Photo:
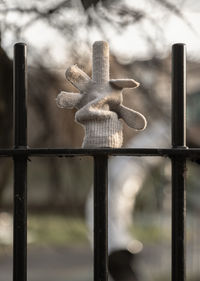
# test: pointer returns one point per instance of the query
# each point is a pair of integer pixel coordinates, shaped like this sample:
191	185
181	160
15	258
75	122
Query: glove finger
77	77
68	100
132	118
124	83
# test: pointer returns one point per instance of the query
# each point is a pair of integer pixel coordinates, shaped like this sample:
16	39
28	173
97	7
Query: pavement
75	263
52	264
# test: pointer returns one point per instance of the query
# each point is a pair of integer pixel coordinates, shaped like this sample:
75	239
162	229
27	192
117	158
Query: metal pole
20	165
178	163
178	95
100	218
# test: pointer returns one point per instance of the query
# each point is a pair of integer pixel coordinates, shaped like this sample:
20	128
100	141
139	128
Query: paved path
76	264
52	264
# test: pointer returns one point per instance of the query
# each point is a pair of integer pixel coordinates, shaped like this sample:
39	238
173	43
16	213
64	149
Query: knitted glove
99	102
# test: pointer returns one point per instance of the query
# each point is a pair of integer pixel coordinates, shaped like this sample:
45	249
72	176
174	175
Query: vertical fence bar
179	95
20	164
100	218
178	163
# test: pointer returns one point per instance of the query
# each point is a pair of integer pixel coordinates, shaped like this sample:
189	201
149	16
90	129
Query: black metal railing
178	154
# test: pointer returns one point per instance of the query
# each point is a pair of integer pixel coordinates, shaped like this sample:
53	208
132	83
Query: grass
61	230
151	228
56	230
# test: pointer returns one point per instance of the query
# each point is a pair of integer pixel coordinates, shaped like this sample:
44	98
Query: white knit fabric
103	133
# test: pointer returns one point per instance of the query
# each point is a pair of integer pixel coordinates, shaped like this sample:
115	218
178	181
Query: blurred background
59	34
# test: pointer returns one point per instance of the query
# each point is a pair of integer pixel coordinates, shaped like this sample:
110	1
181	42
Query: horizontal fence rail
178	154
190	153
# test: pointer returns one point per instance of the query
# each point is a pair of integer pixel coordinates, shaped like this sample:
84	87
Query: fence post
100	218
20	164
178	162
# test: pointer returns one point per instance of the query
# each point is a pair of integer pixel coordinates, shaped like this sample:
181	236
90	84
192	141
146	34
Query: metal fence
178	154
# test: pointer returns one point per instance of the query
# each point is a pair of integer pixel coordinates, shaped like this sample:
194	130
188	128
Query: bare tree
68	17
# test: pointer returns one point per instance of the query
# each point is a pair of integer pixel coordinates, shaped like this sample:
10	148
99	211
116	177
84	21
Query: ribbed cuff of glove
103	133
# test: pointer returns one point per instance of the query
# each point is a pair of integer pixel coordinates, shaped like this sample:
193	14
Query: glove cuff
103	133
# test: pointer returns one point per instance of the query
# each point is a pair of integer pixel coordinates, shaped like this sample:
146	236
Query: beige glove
99	102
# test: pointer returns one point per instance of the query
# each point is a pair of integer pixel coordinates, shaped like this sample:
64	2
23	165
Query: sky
129	44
